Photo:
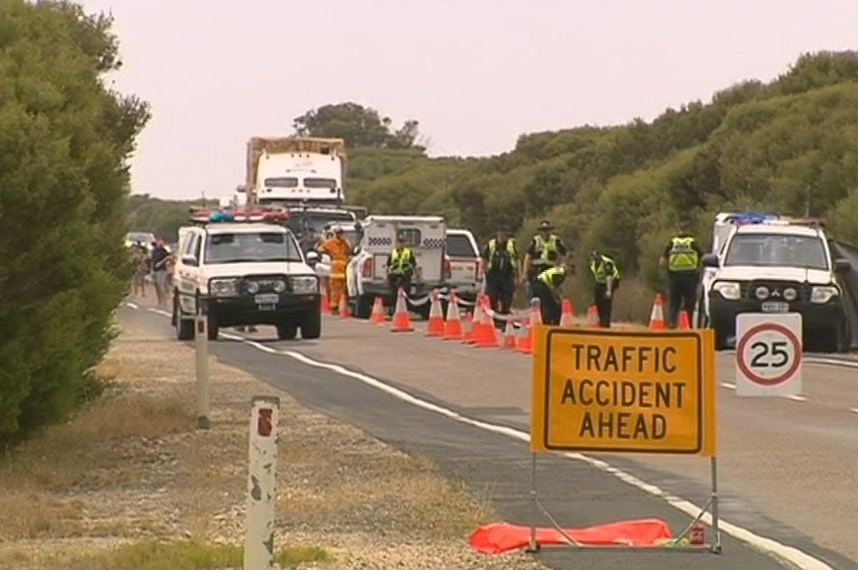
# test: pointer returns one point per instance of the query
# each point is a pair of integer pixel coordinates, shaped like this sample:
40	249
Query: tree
64	144
359	126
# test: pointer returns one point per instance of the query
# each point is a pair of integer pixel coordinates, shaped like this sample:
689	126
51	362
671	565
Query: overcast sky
475	73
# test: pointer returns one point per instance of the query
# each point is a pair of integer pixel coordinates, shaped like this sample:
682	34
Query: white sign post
768	354
261	484
201	345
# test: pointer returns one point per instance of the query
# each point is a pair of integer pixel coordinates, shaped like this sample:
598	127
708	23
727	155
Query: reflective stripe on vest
682	256
598	270
546	250
549	274
400	262
493	249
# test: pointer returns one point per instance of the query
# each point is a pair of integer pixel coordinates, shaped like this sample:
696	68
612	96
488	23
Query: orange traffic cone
476	323
486	335
377	316
524	341
344	305
566	314
656	318
453	323
684	322
326	304
593	317
435	327
509	335
401	318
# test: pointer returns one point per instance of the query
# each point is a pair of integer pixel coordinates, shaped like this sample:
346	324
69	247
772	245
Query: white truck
773	264
366	274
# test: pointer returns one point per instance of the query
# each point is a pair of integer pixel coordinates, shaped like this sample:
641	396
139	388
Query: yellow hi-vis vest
401	261
597	268
546	250
682	256
493	249
548	275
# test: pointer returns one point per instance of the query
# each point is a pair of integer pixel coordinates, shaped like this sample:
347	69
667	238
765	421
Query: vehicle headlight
761	292
251	287
223	287
304	284
790	294
823	294
279	286
728	289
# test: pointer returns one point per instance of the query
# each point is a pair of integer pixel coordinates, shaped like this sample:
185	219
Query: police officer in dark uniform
681	258
500	269
546	250
606	278
548	288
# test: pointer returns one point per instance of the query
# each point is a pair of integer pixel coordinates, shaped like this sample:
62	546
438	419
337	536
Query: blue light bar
751	218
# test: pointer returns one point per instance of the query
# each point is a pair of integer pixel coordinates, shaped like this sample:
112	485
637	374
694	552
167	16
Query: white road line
131	305
728	385
788	553
854	410
793	397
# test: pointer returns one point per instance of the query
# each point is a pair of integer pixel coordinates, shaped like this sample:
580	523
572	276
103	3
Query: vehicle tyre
721	336
363	307
212	327
834	340
184	327
174	303
311	325
423	310
287	330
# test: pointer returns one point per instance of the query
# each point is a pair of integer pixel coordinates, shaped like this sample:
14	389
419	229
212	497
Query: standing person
140	262
401	265
159	257
681	257
606	277
500	270
546	250
548	288
339	250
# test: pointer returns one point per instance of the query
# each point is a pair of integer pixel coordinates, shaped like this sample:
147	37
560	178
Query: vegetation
64	141
790	146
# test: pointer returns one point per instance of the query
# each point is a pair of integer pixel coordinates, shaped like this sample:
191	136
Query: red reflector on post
264	424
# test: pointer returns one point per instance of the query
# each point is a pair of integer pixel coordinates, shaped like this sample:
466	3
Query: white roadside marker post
261	484
201	346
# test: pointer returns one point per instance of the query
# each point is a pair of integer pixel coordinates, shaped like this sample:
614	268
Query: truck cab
366	274
774	264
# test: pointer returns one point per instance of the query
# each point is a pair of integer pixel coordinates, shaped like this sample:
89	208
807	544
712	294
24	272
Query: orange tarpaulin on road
502	537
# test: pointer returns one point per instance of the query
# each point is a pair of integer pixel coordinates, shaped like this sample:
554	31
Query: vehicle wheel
363	307
833	341
174	303
720	339
184	327
287	330
311	325
212	327
422	310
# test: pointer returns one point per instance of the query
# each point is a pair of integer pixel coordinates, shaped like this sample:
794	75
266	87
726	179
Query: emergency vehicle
366	273
244	268
466	275
768	263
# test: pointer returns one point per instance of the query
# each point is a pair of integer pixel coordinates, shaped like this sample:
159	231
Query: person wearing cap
548	288
681	257
500	270
339	250
401	266
158	259
546	250
606	279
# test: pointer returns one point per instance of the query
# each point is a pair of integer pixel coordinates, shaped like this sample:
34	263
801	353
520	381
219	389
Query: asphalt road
788	467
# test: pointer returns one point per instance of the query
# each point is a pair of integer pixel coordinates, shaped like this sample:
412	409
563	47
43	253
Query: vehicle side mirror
189	260
312	258
710	260
842	266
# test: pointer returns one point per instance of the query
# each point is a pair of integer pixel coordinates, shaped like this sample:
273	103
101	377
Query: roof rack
203	217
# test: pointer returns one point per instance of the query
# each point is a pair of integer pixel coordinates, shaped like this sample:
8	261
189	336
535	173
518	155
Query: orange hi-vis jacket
340	251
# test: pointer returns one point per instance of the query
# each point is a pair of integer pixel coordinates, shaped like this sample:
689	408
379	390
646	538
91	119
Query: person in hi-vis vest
681	257
606	279
401	266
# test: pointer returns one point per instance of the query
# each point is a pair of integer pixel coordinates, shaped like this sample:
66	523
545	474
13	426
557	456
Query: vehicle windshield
458	245
316	221
777	250
244	247
320	183
281	182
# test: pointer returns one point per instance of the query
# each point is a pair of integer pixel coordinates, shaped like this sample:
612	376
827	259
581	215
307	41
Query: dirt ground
131	484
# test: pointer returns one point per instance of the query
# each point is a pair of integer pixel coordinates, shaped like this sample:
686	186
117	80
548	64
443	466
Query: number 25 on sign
768	354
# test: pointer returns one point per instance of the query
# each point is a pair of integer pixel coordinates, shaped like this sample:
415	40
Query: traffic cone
453	323
468	328
486	335
344	305
524	340
656	318
566	314
377	316
684	322
510	336
476	323
435	326
401	318
593	317
325	304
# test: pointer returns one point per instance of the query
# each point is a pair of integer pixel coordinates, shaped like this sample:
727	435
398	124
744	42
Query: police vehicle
767	263
244	268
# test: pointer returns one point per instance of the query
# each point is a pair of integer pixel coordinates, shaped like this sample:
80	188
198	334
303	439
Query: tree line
64	143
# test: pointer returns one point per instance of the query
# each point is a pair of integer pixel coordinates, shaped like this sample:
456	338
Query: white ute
366	274
243	270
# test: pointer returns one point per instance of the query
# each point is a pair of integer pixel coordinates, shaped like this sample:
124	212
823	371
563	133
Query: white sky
475	73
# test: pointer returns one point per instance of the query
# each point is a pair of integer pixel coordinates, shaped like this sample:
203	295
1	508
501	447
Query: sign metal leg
714	507
532	546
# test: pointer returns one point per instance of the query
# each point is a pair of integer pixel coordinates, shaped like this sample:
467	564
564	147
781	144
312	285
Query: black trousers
550	307
500	290
682	296
604	304
397	281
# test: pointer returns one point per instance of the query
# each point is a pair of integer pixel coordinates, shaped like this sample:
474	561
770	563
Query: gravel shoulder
130	483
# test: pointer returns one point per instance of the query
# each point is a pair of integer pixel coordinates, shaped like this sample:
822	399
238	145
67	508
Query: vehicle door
464	259
188	272
427	240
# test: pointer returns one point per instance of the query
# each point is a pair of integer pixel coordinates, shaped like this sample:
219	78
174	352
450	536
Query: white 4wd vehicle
775	265
466	276
244	273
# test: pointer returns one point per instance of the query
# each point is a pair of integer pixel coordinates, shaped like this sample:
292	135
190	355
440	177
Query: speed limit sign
768	354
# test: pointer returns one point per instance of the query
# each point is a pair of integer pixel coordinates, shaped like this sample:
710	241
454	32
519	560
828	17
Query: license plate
413	290
267	299
775	307
266	307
